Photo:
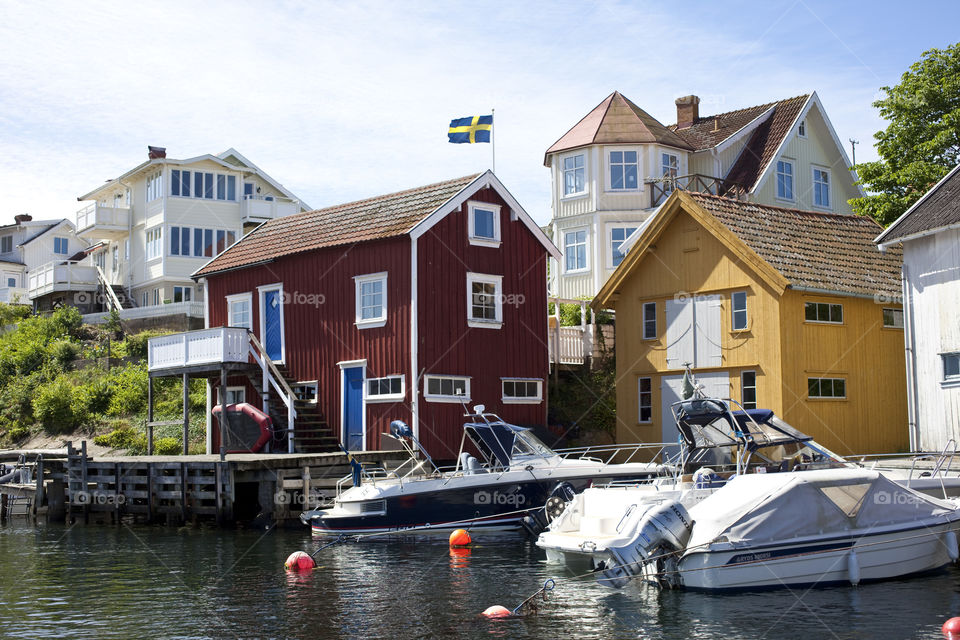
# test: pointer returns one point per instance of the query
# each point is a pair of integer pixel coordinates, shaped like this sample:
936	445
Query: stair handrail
111	295
279	383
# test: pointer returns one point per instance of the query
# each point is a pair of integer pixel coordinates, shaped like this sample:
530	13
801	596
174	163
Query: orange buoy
497	611
460	538
300	561
951	628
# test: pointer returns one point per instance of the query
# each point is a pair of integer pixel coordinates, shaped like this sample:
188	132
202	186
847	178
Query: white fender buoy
853	568
950	540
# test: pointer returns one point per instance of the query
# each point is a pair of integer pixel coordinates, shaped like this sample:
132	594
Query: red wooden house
397	307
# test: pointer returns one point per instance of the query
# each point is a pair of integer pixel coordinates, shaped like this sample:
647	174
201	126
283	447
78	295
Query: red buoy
300	561
460	538
497	611
951	628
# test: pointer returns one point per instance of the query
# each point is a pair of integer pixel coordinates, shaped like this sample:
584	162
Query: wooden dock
260	489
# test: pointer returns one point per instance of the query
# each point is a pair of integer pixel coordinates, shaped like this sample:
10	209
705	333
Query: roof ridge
809	212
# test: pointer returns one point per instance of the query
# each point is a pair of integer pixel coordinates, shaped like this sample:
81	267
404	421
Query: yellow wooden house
788	310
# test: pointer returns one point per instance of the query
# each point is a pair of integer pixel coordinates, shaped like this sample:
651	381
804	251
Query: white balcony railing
191	309
260	208
65	275
204	347
14	295
570	345
97	217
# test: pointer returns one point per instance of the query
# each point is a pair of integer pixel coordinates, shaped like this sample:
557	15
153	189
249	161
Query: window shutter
679	333
707	332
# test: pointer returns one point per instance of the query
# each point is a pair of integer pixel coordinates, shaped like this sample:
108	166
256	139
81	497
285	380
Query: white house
162	220
614	167
930	234
28	245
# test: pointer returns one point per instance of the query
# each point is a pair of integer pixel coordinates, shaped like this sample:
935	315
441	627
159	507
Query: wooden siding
448	346
319	314
873	416
931	268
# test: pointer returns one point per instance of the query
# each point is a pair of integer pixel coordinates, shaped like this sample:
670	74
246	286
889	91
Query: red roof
385	216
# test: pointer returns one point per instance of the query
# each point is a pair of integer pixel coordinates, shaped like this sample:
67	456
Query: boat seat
471	466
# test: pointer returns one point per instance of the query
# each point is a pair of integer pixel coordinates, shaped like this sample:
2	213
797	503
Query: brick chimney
688	111
156	152
23	217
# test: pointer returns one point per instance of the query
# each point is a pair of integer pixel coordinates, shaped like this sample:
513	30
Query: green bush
166	446
91	399
13	313
136	345
15	434
123	437
52	405
128	390
64	353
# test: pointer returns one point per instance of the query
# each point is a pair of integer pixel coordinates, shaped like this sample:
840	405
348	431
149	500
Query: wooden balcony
661	188
63	275
204	349
258	209
99	222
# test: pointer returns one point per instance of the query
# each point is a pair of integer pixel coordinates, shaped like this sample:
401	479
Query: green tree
921	143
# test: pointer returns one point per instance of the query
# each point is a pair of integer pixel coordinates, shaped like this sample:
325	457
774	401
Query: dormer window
484	221
574	175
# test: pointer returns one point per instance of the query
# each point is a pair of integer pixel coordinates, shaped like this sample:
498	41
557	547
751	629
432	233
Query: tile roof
616	120
765	140
826	251
372	219
939	207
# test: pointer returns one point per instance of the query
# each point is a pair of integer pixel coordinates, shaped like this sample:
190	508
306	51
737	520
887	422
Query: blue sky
346	100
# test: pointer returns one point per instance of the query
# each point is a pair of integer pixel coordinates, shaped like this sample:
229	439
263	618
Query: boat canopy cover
494	439
762	508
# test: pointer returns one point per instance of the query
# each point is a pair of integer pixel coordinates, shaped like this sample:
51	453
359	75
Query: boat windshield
500	442
527	444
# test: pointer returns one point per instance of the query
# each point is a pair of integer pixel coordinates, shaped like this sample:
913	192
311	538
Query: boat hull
876	556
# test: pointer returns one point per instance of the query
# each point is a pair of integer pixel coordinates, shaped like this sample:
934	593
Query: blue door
353	408
273	324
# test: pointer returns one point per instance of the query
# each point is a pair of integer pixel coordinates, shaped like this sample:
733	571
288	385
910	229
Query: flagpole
493	139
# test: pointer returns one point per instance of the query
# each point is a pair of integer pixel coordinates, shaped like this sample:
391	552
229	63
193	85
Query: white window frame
481	241
813	189
647	335
611	229
241	391
497	282
66	245
184	289
359	281
154	246
830	397
624	163
145	296
744	386
234	299
665	169
896	313
314	384
792	177
586	251
802	129
563	175
6	244
521	399
431	397
126	249
952	378
385	397
734	310
640	404
829	304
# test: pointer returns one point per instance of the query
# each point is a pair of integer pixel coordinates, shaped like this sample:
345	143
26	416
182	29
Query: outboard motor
661	530
400	429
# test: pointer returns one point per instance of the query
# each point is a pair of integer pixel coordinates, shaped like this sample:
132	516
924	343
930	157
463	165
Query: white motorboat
791	529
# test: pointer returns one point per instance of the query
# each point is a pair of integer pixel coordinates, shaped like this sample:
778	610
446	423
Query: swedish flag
471	129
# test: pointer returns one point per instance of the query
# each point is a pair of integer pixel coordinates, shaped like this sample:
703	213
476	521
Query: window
826	387
669	168
893	318
748	389
154	246
154	186
203	241
649	320
100	259
802	129
574	175
60	245
446	388
785	180
484	300
738	313
951	366
116	258
126	249
306	391
644	400
145	300
182	294
522	390
821	188
575	250
823	312
6	244
238	310
206	185
371	303
384	389
156	296
617	236
11	281
623	170
236	395
180	183
484	224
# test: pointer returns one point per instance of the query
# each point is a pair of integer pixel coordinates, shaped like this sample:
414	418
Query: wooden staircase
125	301
311	433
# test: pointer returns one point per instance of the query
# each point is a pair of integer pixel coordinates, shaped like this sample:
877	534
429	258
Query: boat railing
609	454
941	461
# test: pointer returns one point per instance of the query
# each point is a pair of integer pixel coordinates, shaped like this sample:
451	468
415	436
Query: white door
715	385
